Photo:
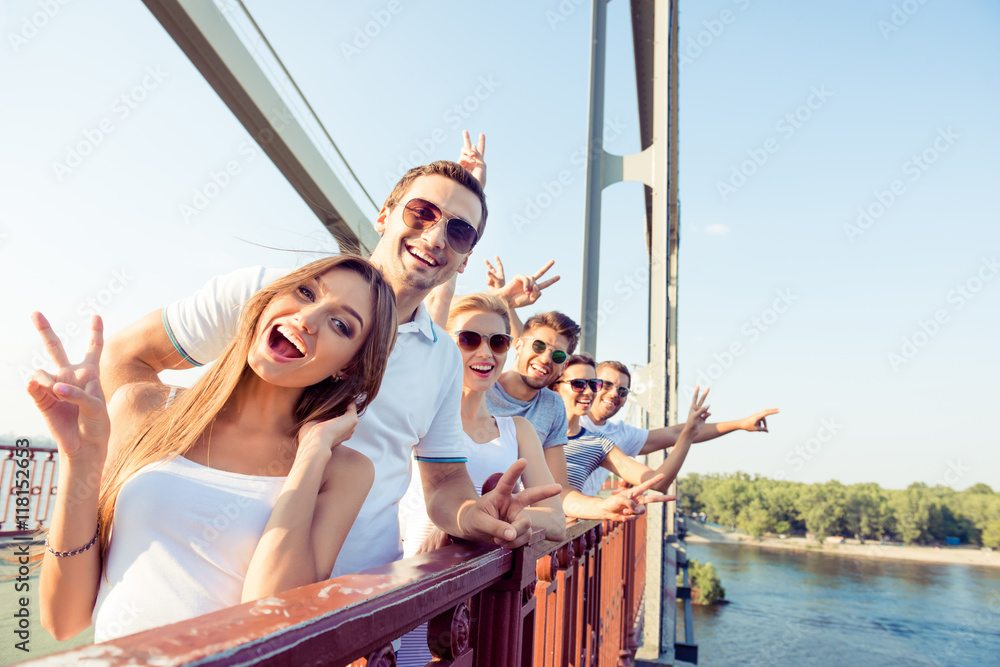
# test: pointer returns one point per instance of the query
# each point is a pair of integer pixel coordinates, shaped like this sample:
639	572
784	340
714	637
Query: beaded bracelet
66	554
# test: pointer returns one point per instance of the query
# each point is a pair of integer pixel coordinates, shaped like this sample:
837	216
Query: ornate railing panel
574	602
37	466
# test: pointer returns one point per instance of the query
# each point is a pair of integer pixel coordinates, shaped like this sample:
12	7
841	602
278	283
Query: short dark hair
582	359
561	324
448	169
616	366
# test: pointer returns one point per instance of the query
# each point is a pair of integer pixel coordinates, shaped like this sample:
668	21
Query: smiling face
536	368
418	260
312	331
577	403
607	402
482	366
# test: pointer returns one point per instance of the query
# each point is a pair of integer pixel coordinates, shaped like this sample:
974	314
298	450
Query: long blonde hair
173	430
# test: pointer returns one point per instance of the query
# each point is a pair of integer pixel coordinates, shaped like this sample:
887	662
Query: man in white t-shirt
616	381
417	411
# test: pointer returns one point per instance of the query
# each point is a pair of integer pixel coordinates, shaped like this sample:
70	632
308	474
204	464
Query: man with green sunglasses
546	341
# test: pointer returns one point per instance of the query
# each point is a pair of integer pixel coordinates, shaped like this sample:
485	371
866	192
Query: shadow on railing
546	604
26	472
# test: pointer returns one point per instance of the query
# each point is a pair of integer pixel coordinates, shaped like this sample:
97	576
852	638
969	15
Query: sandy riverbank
962	555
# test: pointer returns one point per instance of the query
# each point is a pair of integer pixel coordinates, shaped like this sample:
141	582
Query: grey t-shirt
545	411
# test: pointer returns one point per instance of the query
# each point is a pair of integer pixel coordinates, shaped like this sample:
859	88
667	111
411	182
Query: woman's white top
484	459
181	544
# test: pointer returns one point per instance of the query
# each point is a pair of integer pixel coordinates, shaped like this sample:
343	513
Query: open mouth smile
422	256
482	370
285	343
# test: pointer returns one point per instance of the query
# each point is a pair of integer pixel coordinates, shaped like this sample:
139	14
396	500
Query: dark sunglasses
611	386
421	214
471	340
539	346
578	385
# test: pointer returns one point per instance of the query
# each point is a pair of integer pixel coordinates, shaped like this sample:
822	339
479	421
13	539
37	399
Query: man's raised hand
698	413
472	157
522	290
498	517
71	400
758	421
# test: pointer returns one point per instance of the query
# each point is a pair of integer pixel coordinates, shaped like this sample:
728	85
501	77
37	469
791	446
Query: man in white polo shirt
417	410
616	381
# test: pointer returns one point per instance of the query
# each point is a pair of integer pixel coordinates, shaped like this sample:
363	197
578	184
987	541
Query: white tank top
484	459
181	544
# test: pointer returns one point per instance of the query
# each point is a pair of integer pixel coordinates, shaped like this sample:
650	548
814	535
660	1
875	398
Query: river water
801	608
787	608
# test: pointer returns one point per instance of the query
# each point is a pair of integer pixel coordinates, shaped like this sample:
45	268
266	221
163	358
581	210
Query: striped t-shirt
584	453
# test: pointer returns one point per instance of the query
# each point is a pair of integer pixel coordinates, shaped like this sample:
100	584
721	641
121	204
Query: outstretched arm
662	438
138	353
623	506
546	514
319	501
73	406
634	472
496	517
438	301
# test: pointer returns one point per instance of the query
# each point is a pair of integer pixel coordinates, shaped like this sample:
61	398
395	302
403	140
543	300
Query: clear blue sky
792	118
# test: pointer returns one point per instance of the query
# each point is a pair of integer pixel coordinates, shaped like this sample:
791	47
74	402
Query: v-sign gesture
472	157
522	290
498	516
71	400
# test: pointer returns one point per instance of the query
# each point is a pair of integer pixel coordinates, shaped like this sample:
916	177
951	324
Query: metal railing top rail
337	620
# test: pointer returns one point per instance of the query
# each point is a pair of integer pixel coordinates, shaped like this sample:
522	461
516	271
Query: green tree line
918	514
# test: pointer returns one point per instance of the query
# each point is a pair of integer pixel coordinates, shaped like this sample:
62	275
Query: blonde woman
238	488
480	326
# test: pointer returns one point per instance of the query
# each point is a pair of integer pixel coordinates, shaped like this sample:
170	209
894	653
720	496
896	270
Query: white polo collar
421	322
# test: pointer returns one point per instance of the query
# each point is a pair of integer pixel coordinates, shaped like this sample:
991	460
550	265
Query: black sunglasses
611	386
539	346
471	340
421	214
578	385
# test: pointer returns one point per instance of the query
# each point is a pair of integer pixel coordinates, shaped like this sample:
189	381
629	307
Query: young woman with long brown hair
236	489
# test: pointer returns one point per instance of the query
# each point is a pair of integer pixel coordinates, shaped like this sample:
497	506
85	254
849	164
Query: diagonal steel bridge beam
272	117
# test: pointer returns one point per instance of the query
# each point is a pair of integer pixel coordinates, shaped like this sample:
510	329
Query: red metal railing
41	476
576	602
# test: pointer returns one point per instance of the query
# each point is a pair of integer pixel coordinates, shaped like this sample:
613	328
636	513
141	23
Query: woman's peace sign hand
71	400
